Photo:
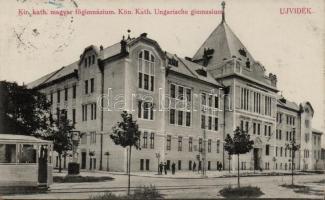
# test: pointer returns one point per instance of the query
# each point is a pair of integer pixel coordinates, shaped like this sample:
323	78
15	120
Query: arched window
146	69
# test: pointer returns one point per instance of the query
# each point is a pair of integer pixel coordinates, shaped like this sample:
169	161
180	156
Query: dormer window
173	62
248	63
146	69
90	60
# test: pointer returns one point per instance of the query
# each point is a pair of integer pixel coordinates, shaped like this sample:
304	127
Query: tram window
27	154
7	153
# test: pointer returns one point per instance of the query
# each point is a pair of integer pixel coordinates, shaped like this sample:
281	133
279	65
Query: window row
92	85
145	110
209	100
146	70
89	60
66	94
179	117
190	144
209	122
257	129
282	151
93	111
180	92
143	140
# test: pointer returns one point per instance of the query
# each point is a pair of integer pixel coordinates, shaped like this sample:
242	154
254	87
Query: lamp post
74	167
158	158
107	154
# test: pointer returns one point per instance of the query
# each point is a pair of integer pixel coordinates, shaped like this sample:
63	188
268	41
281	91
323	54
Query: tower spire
223	4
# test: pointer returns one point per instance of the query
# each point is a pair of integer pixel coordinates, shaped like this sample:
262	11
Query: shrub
143	193
247	191
80	179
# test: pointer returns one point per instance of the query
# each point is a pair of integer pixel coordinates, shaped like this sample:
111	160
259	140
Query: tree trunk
60	168
292	156
129	172
238	171
229	163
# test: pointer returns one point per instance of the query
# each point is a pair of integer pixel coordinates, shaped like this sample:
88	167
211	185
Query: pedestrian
194	167
220	167
173	168
165	168
161	165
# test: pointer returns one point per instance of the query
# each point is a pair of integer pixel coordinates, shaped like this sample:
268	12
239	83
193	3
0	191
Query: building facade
184	106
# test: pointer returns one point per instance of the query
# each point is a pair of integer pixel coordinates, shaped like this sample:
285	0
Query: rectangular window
58	96
269	130
145	140
287	136
86	86
152	80
218	146
200	144
179	165
172	116
140	80
276	151
65	94
188	118
267	149
73	116
190	143
246	126
258	129
8	153
146	81
203	121
139	109
254	128
216	124
209	145
210	123
172	91
265	130
180	118
203	99
216	102
92	85
180	143
188	95
210	100
169	141
74	91
152	140
180	93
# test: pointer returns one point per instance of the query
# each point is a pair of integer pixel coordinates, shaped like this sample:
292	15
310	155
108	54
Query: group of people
164	167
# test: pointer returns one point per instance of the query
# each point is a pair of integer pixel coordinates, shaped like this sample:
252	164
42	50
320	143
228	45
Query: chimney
144	35
123	46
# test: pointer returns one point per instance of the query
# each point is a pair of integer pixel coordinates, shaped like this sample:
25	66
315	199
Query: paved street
182	187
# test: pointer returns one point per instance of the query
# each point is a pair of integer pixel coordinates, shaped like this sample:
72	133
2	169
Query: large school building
184	106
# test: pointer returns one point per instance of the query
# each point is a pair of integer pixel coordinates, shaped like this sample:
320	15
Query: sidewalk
209	174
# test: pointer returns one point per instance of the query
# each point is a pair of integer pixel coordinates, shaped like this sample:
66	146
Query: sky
290	46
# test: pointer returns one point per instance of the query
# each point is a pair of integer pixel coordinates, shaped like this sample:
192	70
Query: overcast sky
291	46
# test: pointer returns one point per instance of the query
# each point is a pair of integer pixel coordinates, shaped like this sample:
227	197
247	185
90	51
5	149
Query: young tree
60	135
22	110
239	144
126	134
293	147
229	148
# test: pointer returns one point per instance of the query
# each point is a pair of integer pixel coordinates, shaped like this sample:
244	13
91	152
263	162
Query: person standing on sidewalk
173	168
194	167
165	168
161	165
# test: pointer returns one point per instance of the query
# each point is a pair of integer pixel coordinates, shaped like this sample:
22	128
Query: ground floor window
141	164
209	165
190	165
179	165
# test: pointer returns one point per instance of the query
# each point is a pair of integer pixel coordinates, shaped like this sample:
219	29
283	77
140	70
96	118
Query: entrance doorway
256	159
83	160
